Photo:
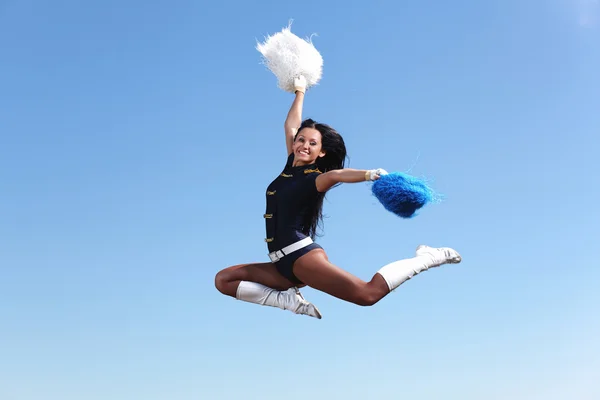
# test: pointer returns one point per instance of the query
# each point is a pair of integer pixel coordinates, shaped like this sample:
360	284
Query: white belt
279	254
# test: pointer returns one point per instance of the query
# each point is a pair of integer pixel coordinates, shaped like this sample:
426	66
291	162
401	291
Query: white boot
290	299
398	272
439	256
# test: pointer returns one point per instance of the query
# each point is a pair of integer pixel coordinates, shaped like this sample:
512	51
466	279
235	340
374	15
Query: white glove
300	84
374	174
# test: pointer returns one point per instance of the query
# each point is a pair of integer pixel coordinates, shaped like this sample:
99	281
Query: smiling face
307	146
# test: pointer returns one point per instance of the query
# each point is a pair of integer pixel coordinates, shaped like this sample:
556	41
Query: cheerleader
294	199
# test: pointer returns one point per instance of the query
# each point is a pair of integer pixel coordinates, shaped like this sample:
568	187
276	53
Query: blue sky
136	142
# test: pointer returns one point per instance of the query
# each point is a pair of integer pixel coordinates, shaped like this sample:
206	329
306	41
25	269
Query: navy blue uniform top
291	198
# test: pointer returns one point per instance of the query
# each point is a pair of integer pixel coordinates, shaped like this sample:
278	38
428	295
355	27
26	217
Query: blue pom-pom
402	194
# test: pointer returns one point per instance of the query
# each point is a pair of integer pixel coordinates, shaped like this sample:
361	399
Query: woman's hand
300	84
374	174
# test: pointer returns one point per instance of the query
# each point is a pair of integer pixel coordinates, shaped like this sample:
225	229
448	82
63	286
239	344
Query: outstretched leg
316	271
261	283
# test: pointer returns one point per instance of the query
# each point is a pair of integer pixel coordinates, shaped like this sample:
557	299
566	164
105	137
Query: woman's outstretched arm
347	175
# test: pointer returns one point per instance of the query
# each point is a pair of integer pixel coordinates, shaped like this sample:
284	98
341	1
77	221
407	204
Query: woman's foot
439	256
302	306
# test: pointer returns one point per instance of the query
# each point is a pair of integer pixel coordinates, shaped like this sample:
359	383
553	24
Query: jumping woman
294	200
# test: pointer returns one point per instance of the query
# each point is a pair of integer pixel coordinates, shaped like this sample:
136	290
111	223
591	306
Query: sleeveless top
290	198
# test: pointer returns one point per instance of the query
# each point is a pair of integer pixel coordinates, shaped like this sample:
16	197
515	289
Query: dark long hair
335	154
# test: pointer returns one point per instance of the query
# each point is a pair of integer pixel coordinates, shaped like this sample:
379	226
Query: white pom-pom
288	56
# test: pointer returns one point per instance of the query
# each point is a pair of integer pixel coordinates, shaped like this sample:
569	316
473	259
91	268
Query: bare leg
228	279
262	284
316	271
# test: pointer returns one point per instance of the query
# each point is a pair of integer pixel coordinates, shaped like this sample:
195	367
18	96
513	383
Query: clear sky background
136	142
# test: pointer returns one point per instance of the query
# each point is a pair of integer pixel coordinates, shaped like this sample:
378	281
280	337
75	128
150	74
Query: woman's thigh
315	270
228	279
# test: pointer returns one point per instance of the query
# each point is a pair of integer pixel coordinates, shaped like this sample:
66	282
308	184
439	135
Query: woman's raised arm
294	116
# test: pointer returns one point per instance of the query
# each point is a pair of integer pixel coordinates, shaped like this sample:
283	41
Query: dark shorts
286	264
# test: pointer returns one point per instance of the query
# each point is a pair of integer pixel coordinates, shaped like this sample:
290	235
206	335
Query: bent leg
262	284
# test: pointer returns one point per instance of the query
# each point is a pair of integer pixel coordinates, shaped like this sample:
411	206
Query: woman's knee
367	296
223	279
